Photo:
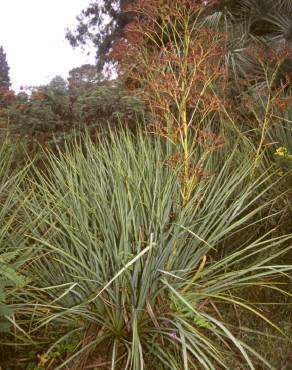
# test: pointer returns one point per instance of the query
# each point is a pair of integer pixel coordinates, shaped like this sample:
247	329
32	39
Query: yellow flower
43	359
281	152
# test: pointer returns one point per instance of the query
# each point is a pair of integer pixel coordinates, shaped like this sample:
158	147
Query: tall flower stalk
174	60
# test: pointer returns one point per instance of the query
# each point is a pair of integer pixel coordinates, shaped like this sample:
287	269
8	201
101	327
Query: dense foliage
44	114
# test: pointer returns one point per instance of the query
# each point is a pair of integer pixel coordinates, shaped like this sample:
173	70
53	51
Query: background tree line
39	113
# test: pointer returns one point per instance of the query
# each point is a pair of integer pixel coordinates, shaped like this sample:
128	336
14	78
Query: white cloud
32	33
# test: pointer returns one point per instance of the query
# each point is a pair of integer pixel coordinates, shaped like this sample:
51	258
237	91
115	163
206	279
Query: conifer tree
4	69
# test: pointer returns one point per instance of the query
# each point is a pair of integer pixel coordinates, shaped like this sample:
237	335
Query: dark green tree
84	75
58	84
4	69
100	24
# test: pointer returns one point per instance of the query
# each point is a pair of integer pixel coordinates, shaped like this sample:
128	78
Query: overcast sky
32	33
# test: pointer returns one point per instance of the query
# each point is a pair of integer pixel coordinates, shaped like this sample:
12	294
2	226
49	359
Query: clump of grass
140	277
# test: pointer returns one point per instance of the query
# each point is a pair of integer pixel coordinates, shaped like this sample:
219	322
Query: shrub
139	279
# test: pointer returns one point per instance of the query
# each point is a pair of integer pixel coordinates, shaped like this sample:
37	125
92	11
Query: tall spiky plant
136	278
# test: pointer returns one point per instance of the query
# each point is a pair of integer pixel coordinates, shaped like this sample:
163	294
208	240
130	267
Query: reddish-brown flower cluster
6	95
283	103
263	57
38	94
155	8
210	140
